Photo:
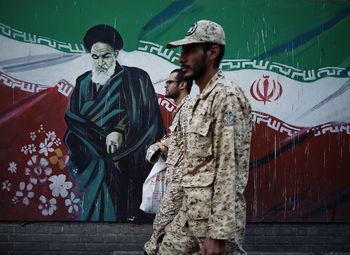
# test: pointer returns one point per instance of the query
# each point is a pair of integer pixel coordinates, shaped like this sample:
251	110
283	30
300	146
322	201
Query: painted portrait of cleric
113	116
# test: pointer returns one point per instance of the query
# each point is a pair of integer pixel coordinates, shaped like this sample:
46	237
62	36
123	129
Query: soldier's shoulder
189	102
225	88
229	88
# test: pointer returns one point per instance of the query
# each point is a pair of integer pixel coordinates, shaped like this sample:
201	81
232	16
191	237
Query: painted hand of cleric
114	141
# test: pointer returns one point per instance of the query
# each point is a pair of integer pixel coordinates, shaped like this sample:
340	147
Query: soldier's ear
213	52
182	85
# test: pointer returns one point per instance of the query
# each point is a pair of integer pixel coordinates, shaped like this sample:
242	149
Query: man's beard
199	70
100	76
174	94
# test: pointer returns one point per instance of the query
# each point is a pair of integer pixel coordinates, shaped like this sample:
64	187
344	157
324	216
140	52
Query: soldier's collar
211	84
186	98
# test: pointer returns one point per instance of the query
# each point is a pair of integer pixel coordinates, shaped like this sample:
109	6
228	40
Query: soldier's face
193	61
103	56
171	87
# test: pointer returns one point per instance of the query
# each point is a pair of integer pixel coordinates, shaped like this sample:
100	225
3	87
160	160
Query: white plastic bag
154	188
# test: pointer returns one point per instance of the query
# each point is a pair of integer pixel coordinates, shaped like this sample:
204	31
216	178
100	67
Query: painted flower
58	159
12	167
6	185
75	170
37	170
24	149
28	149
46	206
31	148
51	136
41	129
45	147
72	203
33	136
15	200
59	185
25	192
57	142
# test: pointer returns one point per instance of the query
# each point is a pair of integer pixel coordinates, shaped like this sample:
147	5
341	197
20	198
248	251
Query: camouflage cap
200	32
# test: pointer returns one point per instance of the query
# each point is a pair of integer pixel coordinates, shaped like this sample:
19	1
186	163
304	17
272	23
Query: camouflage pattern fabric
216	167
173	196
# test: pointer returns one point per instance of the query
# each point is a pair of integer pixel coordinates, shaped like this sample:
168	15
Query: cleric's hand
114	141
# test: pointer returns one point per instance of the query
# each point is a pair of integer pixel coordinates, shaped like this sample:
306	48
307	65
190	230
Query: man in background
172	148
112	118
217	152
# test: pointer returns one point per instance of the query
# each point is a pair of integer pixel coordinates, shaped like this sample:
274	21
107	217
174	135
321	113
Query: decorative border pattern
239	64
288	71
42	40
159	50
22	85
331	128
166	103
274	123
173	57
282	127
63	86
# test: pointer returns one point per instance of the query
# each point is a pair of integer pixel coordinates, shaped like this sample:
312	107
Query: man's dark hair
207	46
180	78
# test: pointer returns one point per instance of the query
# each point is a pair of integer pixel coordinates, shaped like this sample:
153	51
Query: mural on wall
73	151
112	118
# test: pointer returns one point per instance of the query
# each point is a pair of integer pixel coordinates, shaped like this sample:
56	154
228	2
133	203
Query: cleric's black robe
111	184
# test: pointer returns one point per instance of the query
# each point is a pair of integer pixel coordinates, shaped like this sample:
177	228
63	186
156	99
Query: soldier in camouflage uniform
217	152
172	146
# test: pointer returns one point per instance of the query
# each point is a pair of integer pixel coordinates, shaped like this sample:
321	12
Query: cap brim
181	42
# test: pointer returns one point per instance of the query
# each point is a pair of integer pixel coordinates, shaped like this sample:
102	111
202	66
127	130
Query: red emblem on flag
267	91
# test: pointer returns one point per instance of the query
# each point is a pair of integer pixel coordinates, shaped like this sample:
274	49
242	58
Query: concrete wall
110	238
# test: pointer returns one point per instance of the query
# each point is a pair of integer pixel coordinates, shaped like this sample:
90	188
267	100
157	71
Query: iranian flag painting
290	57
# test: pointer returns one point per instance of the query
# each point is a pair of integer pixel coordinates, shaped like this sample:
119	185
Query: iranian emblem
192	29
229	119
266	91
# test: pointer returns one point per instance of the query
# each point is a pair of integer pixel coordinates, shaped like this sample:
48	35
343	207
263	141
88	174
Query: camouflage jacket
175	140
172	199
217	162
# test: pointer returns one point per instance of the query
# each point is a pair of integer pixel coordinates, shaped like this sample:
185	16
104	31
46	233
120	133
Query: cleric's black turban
105	34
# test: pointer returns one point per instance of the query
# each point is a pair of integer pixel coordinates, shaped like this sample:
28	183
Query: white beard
101	77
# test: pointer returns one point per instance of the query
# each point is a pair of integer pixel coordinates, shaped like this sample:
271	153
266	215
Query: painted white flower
57	142
51	136
72	203
15	200
6	185
24	149
59	185
45	147
31	148
12	167
37	169
75	170
33	136
25	192
41	129
46	206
